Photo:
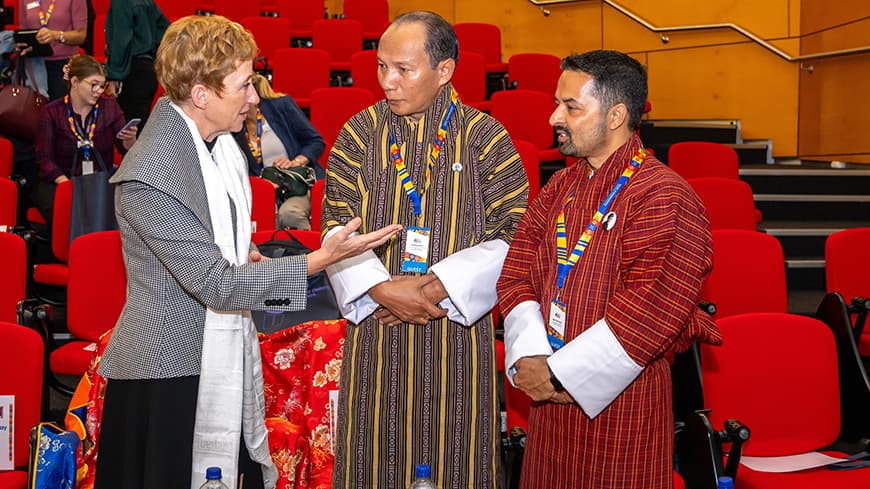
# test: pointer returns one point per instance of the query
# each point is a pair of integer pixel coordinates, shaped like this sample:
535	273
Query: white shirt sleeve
351	280
469	276
594	368
525	335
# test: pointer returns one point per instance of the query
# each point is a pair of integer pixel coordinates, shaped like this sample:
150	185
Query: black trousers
146	437
54	74
138	90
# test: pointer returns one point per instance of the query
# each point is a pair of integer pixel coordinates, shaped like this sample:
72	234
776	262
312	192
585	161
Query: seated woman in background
76	132
277	133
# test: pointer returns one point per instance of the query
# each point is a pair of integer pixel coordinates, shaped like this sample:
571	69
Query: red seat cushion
805	479
51	274
72	358
15	479
34	216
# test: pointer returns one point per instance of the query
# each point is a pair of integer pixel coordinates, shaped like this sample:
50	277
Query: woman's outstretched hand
342	245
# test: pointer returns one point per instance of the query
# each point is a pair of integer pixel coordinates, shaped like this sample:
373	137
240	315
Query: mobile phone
128	125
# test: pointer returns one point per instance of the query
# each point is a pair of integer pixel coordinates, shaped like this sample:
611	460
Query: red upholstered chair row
299	71
529	155
729	202
534	71
57	274
484	39
526	115
262	204
7	153
698	159
332	107
469	80
373	15
340	38
8	202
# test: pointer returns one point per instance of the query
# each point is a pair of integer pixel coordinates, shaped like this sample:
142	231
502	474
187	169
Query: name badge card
7	432
416	253
556	325
87	167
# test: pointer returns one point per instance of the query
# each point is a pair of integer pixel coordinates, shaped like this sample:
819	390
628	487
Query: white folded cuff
351	280
469	276
594	368
525	335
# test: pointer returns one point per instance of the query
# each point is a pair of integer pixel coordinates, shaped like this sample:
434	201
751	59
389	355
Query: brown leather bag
20	104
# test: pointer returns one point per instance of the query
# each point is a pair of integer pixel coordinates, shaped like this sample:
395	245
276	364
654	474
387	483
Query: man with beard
591	310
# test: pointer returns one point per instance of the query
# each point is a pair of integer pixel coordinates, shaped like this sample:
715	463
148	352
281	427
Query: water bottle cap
213	473
423	470
726	482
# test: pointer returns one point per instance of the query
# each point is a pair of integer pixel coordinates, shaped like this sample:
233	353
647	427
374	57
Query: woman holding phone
77	132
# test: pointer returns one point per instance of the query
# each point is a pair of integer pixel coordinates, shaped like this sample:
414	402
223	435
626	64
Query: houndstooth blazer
174	268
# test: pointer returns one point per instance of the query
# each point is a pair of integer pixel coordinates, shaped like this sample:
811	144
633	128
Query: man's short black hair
618	78
441	40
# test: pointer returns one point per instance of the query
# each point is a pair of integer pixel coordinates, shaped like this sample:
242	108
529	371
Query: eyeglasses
96	87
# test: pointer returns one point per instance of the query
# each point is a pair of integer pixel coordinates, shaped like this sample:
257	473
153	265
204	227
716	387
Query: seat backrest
697	159
13	262
97	288
748	273
364	71
302	14
236	10
332	107
8	202
777	374
100	38
374	15
728	201
176	9
262	203
60	224
847	270
535	71
299	71
481	38
529	155
317	193
525	114
270	34
469	78
339	37
21	363
7	155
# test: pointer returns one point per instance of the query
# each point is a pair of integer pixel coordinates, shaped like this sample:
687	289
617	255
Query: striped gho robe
630	299
415	394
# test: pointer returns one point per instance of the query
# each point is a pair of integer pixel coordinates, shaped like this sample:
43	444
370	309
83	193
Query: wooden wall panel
834	108
851	35
728	82
817	15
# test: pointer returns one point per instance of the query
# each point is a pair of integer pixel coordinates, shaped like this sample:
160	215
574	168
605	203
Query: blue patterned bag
52	458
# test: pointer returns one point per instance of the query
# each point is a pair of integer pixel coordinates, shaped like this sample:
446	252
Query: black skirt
146	436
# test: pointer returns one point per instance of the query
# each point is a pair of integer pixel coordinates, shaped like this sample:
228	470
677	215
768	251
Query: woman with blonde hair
78	131
185	383
277	133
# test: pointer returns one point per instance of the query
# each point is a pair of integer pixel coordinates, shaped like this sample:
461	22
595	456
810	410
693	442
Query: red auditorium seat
8	202
484	39
302	15
340	38
262	204
299	71
469	80
7	154
96	293
374	15
21	364
100	38
729	202
317	192
534	71
13	262
526	115
236	10
529	154
364	71
777	374
698	159
270	34
56	274
847	270
748	274
332	107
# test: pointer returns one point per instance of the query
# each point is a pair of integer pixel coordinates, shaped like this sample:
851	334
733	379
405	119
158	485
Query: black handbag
321	303
93	202
291	182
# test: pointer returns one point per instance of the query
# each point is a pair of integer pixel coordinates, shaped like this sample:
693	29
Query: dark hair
618	78
82	66
441	41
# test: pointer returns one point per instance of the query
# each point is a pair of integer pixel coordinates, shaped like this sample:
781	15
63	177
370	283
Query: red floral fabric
301	370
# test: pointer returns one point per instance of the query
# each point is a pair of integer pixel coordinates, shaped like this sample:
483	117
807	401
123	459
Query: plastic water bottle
422	479
725	482
213	479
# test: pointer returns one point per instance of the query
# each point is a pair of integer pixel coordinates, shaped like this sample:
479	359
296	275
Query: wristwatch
557	386
61	39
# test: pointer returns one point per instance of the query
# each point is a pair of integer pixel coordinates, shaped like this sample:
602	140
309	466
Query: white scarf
230	399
